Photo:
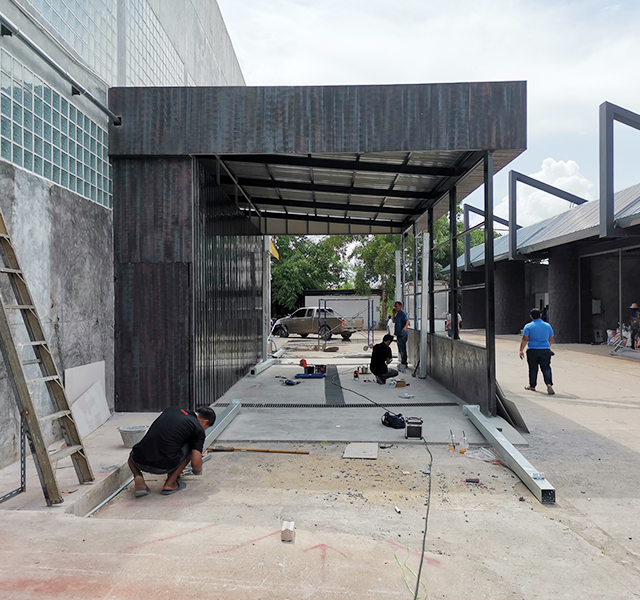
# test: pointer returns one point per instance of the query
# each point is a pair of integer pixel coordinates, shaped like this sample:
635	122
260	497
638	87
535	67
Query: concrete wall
64	245
564	294
510	308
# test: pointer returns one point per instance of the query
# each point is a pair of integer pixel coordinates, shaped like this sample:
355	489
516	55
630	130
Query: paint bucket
132	434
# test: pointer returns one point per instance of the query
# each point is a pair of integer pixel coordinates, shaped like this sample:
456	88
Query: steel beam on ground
530	476
261	366
224	418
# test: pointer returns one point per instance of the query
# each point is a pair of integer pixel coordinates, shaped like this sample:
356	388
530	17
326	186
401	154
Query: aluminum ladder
39	355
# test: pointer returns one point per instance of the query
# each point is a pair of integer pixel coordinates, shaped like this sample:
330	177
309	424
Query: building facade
55	174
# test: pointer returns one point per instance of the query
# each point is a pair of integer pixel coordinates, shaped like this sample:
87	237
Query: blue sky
574	55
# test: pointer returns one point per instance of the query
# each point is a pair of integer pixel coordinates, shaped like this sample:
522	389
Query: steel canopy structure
331	160
199	171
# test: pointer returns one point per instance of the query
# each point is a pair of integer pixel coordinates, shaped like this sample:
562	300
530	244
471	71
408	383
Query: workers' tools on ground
309	375
355	374
413	429
231	449
289	382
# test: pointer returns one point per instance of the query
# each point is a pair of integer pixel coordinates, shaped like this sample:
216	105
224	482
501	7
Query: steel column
489	279
266	295
398	276
415	278
425	299
432	310
606	170
467	238
453	253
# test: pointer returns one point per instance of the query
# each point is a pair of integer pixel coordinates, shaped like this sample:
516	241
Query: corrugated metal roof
578	223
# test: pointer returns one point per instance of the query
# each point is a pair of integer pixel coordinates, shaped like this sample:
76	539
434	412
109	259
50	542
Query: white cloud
535	206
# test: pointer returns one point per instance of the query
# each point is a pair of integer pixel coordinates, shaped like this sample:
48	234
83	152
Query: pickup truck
314	321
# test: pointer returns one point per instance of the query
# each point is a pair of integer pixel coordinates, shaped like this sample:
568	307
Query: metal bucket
132	434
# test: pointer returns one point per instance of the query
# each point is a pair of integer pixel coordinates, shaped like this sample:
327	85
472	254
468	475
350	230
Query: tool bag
393	421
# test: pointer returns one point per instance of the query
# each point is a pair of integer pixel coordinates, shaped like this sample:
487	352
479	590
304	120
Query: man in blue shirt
539	336
401	322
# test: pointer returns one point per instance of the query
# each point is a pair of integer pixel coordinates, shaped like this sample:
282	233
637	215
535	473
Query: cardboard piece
90	410
361	450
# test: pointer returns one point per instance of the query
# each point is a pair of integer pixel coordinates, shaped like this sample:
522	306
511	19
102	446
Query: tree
375	262
307	262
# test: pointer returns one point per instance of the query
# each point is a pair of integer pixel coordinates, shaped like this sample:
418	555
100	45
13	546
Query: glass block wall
89	27
152	59
43	132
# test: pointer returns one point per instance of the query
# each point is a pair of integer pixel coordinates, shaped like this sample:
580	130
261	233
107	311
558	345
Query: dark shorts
186	450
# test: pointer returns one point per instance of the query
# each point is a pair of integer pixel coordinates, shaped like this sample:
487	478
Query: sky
574	55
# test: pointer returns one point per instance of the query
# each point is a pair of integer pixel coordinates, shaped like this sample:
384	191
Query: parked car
313	321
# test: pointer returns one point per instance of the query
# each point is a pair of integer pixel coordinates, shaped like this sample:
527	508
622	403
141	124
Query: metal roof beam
336	164
335	220
329	189
292	204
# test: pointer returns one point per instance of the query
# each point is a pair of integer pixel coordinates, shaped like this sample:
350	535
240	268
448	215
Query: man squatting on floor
380	357
539	336
174	439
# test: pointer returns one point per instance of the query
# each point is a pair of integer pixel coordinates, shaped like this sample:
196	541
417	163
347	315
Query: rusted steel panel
335	119
153	329
153	209
227	292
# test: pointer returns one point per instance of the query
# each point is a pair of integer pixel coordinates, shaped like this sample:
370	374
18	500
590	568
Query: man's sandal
528	387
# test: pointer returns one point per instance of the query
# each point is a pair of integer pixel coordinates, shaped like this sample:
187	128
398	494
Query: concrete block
288	533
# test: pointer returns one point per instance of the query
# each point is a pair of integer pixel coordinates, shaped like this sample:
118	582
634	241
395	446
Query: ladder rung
8	270
33	361
39	379
36	343
68	451
20	306
54	416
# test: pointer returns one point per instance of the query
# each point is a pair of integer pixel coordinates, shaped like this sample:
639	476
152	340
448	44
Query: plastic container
464	444
132	434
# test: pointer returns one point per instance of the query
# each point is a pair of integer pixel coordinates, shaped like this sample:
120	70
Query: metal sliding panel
227	271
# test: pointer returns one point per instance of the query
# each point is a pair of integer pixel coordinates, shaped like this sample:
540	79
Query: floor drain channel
389	404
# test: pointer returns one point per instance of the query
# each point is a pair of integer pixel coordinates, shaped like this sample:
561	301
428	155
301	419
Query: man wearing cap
538	335
175	439
634	328
381	356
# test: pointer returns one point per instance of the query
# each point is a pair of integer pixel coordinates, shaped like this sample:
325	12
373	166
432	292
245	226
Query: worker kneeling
174	439
381	356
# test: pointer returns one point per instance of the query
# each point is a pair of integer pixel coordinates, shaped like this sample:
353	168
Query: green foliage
307	263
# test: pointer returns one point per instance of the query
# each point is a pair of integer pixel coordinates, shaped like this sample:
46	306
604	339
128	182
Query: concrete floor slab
361	450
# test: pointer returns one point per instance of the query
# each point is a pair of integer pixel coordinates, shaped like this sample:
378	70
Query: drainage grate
386	404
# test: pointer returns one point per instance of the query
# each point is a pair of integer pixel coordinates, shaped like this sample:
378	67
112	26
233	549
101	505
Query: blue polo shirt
400	322
538	333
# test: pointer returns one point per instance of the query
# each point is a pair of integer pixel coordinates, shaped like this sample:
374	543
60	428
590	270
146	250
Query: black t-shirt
379	355
161	447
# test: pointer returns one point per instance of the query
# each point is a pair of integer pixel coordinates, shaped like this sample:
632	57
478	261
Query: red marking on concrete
171	537
430	561
232	548
323	555
67	586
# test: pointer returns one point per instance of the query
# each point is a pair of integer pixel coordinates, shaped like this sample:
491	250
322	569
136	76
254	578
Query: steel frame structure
608	114
514	178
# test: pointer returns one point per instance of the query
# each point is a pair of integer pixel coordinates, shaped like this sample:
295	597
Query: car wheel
304	335
325	333
346	337
281	331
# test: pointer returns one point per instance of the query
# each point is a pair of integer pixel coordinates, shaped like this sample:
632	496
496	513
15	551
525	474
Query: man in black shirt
380	357
174	439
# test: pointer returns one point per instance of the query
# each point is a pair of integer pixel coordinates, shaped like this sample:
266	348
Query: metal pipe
620	292
11	29
415	278
261	366
453	253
